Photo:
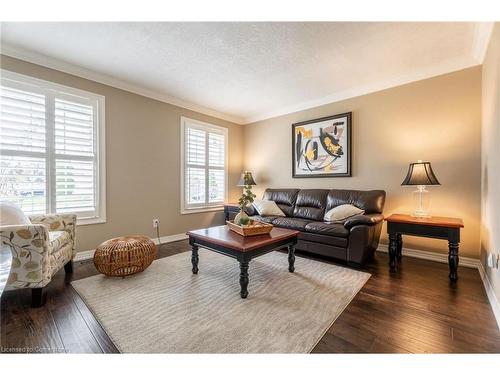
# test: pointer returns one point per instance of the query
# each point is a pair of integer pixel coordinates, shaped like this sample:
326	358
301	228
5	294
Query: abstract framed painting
322	147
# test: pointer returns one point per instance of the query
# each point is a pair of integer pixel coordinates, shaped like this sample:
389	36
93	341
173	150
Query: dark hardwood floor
413	311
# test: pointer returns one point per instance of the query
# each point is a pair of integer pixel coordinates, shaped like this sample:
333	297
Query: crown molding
482	36
433	71
62	66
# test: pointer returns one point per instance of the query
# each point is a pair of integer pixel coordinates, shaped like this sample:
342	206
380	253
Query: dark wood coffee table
224	241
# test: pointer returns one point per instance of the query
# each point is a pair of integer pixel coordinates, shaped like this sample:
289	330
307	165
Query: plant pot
241	215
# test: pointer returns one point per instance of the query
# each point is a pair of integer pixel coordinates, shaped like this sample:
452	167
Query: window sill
94	220
187	211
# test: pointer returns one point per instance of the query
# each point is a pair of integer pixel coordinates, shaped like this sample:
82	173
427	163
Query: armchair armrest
65	222
30	256
370	220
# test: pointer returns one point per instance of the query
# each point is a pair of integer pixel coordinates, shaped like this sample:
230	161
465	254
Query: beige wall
142	162
490	220
437	119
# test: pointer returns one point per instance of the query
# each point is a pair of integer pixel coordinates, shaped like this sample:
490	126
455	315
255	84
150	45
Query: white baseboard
464	261
436	257
89	254
495	305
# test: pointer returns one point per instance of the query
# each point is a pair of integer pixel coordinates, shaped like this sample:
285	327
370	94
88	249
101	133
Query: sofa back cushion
311	204
370	201
267	208
284	198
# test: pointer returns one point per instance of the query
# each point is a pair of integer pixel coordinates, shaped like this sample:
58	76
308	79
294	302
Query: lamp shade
420	173
246	179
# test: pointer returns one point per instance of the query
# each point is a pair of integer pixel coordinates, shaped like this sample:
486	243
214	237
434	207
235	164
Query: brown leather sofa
354	241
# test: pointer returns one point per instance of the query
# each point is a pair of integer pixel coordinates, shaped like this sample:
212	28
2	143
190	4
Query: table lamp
420	174
246	179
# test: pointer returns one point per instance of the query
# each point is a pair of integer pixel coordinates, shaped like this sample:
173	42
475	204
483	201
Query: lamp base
421	199
420	214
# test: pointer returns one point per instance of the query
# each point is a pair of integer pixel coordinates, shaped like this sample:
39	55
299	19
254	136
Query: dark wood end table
224	241
444	228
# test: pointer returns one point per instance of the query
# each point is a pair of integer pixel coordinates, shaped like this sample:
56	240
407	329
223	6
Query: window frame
52	91
207	127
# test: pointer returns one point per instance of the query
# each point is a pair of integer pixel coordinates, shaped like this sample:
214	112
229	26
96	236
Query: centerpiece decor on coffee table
246	181
224	241
124	256
252	228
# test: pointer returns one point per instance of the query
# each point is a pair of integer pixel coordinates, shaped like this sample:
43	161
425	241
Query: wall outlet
490	260
493	260
156	223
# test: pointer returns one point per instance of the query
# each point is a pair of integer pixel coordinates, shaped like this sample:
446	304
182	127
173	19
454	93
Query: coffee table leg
244	279
194	258
291	258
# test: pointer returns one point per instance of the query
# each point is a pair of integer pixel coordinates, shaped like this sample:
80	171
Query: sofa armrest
29	244
370	220
65	222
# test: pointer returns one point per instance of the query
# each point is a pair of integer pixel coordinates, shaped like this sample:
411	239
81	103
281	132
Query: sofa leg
68	267
355	265
38	297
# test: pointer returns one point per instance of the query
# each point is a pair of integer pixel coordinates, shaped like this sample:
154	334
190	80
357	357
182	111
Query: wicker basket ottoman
123	256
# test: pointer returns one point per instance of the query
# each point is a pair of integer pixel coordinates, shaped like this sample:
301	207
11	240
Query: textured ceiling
248	71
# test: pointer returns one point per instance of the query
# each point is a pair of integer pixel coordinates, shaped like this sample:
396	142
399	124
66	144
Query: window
51	148
204	166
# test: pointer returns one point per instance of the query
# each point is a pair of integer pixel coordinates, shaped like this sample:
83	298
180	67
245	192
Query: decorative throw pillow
267	208
342	213
10	214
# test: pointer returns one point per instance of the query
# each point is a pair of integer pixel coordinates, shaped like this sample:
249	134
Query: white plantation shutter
204	165
23	175
51	148
216	165
75	158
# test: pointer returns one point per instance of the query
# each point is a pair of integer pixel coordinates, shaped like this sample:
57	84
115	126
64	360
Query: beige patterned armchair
39	250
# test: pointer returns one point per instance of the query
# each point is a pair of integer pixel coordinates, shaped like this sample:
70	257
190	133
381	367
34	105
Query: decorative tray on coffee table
253	228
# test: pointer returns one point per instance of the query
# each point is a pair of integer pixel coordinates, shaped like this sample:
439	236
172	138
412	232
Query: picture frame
322	147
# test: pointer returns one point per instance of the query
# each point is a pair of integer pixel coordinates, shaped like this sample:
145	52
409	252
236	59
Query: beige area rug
167	309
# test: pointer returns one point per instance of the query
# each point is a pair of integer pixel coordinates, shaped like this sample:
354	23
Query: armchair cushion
58	239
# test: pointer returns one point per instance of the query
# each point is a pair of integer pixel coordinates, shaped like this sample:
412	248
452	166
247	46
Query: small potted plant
246	198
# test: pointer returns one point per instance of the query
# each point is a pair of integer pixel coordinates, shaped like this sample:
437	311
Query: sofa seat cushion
58	239
329	229
59	257
291	223
323	239
263	219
